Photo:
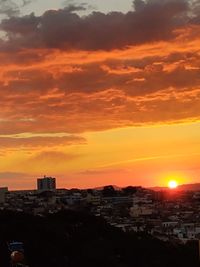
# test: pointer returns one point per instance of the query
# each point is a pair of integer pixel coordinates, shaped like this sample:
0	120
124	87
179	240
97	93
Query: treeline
75	239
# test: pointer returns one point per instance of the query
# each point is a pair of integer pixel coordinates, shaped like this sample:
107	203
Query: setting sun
172	184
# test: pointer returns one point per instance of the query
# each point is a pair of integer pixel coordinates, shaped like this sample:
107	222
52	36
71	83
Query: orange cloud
55	94
38	142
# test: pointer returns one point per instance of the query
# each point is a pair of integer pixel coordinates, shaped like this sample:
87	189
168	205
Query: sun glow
172	184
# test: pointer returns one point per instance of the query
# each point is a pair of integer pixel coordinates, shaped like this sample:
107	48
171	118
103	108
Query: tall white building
46	183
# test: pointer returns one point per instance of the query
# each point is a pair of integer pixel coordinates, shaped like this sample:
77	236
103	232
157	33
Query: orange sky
101	99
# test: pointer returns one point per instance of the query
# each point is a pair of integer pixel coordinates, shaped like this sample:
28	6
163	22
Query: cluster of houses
166	215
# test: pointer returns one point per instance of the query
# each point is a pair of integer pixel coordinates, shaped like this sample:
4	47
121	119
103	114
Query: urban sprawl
166	214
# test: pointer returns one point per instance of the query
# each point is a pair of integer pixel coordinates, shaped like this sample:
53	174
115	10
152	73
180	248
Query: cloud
53	157
10	8
63	73
105	171
63	29
20	143
71	6
50	160
26	2
66	97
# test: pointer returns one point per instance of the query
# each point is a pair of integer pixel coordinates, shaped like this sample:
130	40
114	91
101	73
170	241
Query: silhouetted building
3	191
46	183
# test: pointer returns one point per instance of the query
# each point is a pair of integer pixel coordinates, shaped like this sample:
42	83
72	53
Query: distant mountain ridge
183	187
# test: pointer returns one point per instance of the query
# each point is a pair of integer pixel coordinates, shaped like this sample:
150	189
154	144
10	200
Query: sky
100	92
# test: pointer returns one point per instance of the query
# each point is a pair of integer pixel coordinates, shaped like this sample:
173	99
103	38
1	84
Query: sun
172	184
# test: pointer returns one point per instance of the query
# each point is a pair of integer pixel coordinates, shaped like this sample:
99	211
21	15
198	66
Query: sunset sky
100	92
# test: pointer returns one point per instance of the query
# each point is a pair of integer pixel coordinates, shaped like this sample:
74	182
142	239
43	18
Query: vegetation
71	238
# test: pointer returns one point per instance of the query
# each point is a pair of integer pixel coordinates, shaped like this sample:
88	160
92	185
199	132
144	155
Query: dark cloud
151	21
71	6
10	9
196	12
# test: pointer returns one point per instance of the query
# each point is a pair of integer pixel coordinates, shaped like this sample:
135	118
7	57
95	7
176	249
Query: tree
130	190
109	191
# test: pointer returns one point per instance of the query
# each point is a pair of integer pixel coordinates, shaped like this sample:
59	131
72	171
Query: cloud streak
38	143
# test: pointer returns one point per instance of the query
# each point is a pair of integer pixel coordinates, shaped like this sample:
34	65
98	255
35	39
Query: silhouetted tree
109	191
75	239
130	190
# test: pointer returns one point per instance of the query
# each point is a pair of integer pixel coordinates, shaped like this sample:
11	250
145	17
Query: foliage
76	239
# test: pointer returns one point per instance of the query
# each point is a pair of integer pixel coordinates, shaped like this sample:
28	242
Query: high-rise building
46	183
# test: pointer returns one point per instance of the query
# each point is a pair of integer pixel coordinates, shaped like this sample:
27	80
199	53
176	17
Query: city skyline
97	98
